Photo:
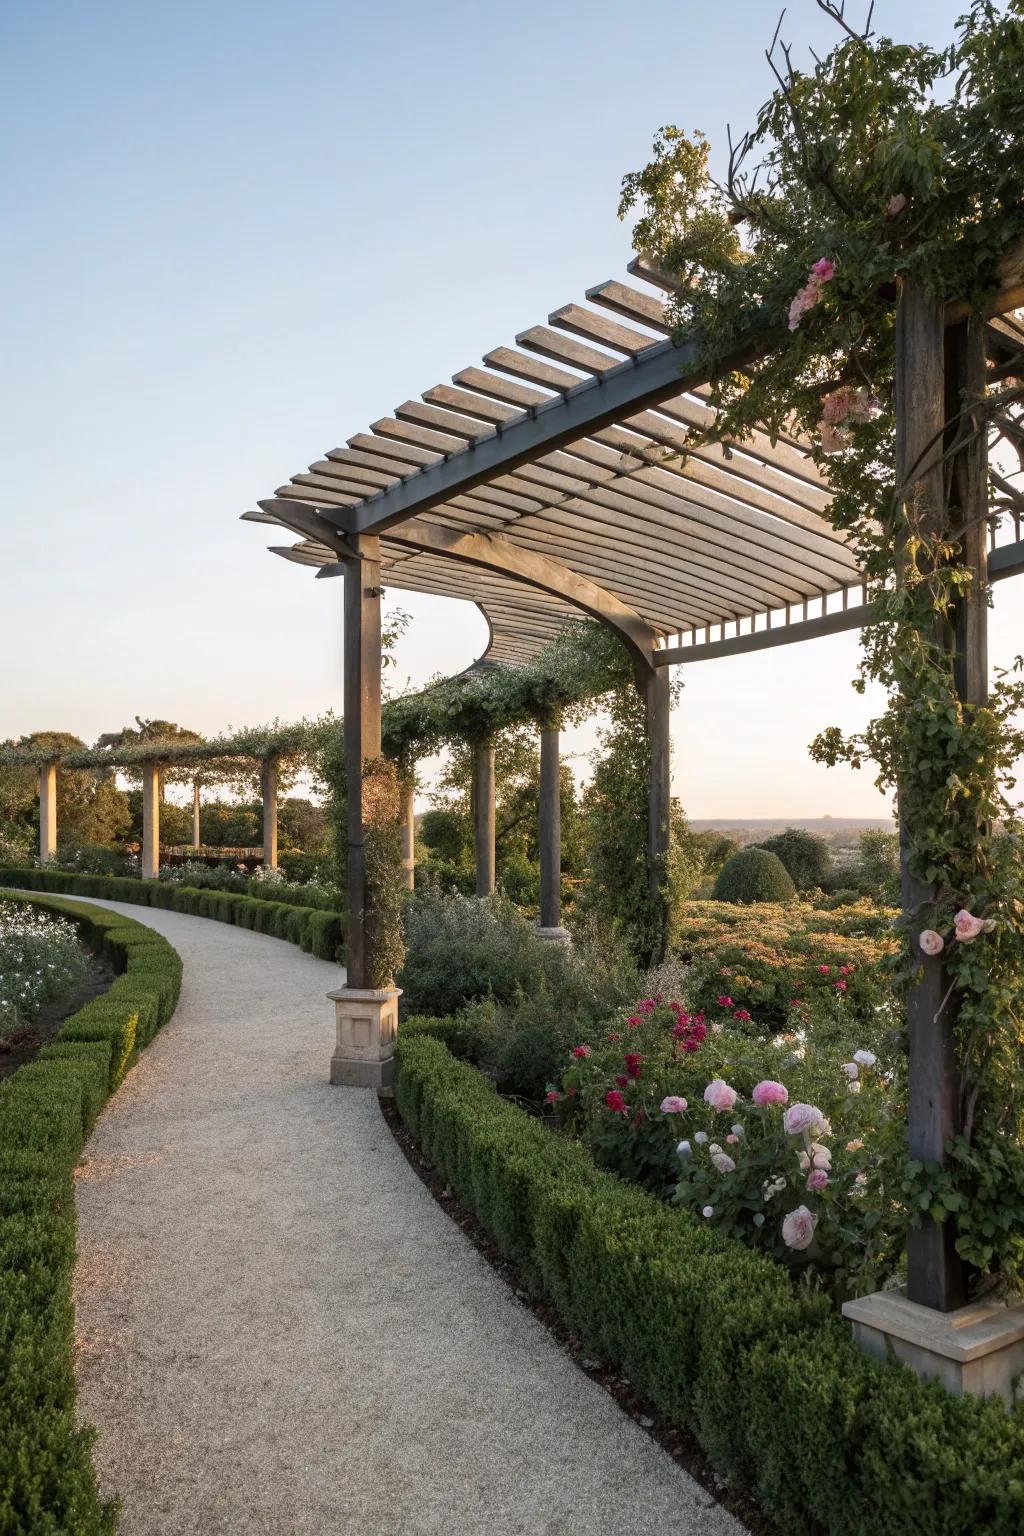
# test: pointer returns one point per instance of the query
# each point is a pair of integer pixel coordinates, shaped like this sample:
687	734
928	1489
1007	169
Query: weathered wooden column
150	821
47	812
550	833
657	693
268	792
979	1348
196	839
483	816
935	1275
409	832
366	1014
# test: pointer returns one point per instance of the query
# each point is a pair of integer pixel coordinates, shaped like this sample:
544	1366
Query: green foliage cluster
713	1334
47	1480
805	855
883	167
777	961
318	932
754	874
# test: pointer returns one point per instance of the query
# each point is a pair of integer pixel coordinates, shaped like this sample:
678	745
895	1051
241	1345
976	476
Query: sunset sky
237	233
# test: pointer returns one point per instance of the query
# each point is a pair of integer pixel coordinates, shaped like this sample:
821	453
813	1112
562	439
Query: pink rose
673	1105
824	270
798	1228
895	206
817	1180
968	926
719	1095
770	1092
931	943
732	1138
580	1051
802	1117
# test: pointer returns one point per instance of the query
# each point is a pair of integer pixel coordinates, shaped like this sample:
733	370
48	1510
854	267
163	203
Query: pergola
558	479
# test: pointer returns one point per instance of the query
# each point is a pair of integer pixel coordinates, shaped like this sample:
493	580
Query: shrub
319	930
785	963
805	856
714	1335
40	961
47	1480
754	875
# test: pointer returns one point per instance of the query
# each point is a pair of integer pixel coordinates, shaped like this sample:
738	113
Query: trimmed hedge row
763	1373
47	1108
317	932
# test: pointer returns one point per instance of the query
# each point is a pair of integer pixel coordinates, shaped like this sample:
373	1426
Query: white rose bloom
865	1058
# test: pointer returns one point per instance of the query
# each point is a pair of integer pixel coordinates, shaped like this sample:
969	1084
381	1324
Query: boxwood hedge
47	1108
761	1372
318	932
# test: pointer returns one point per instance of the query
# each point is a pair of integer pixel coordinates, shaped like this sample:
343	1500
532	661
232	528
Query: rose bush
793	1146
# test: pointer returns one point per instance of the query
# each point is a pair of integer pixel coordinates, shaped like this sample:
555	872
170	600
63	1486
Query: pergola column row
151	794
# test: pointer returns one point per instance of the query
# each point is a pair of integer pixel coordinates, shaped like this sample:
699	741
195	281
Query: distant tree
302	825
712	848
877	871
805	855
90	807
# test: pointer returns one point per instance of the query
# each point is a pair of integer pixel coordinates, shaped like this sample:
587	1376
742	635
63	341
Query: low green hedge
762	1373
318	932
47	1108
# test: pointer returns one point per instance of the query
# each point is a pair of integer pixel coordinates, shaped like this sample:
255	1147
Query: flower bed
791	1142
40	960
769	956
47	1480
318	932
713	1334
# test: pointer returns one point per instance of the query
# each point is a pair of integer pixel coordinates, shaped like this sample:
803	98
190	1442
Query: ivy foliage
885	165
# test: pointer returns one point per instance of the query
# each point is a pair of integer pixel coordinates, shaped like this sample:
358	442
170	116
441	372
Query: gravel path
281	1334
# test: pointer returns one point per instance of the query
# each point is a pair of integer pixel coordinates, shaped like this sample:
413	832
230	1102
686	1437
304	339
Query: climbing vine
880	166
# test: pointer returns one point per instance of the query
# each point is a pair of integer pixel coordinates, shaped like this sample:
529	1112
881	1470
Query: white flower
708	1211
802	1117
722	1161
852	1070
737	1130
700	1138
772	1187
865	1058
683	1149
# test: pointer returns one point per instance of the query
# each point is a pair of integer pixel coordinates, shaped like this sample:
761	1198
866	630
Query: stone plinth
977	1349
559	935
367	1029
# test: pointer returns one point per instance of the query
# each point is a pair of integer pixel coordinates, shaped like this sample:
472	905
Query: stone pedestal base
559	935
978	1349
367	1029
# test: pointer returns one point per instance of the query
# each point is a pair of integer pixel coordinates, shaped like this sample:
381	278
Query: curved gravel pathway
281	1333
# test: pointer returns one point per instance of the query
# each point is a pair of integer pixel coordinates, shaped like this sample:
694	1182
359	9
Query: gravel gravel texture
282	1334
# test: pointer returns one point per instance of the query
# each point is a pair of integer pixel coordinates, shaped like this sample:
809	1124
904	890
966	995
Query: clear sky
238	231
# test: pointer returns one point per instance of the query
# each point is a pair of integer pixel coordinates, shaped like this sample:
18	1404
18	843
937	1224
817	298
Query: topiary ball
754	874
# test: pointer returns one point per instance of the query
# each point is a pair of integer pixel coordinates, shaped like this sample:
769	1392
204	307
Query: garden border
47	1110
317	931
717	1337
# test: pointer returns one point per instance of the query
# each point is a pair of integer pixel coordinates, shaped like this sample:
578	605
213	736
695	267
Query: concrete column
483	816
268	790
47	812
550	832
409	834
196	839
150	821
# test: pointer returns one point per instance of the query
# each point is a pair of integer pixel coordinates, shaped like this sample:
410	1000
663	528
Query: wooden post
362	739
483	816
409	832
657	692
936	1276
268	791
550	830
47	812
150	821
196	839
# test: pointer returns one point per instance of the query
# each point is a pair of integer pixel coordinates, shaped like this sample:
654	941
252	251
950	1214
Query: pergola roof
557	479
